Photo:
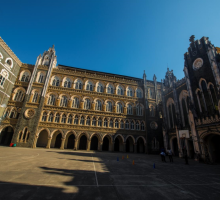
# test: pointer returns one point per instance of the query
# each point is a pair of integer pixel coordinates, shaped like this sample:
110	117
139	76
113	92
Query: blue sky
117	36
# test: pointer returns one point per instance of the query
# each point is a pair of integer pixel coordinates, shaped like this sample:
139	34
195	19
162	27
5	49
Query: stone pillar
35	142
48	143
100	147
62	143
58	102
135	148
76	144
124	146
88	145
125	110
104	107
112	146
69	103
81	104
31	98
45	100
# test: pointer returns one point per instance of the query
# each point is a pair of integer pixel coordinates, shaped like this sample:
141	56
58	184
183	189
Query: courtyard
62	174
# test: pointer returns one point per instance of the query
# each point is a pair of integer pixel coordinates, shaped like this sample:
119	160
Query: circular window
153	125
197	63
9	62
29	113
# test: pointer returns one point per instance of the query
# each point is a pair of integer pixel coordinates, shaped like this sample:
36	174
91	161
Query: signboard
184	133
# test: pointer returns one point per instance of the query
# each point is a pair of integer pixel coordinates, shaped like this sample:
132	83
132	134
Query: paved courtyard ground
60	174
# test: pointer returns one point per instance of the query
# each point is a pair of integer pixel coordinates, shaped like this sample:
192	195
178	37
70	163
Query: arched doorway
94	143
175	147
83	143
6	136
105	145
70	141
129	145
118	146
42	139
212	147
140	145
58	141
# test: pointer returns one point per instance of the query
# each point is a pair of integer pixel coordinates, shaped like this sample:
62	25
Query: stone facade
191	105
67	107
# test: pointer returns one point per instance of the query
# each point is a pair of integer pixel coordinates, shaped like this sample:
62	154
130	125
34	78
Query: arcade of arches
6	136
96	143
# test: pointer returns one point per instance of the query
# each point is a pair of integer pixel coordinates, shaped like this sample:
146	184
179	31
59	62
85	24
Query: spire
155	78
191	39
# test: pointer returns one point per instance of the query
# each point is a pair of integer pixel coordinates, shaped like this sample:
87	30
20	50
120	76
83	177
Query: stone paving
61	174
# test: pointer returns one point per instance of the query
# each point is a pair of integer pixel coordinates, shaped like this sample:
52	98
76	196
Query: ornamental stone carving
197	63
29	113
153	125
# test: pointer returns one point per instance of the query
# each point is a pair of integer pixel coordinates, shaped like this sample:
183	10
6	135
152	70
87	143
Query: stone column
35	142
100	147
48	143
62	143
135	148
58	102
31	98
124	147
76	144
104	107
88	145
81	104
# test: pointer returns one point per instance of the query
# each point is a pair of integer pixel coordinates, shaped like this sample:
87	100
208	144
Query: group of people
163	155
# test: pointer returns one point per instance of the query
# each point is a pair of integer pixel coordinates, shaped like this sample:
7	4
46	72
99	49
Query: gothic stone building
70	108
191	106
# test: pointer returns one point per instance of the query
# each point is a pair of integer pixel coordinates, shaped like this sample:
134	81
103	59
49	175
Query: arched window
87	104
12	114
132	125
142	126
76	120
129	109
208	104
63	102
63	120
50	119
51	100
2	80
122	124
6	113
88	121
55	82
94	121
109	106
110	89
129	92
213	95
19	96
99	87
57	118
82	121
139	93
3	76
98	105
119	108
111	123
35	97
44	117
70	119
127	124
89	86
139	110
99	122
41	78
116	123
120	90
25	77
78	84
137	126
105	123
67	83
75	102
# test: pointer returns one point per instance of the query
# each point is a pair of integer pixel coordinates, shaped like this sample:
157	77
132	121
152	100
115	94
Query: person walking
170	154
163	156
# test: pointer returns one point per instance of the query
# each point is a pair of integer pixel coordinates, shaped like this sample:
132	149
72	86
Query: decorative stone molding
29	113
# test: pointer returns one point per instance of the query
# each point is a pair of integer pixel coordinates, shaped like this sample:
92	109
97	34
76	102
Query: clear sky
117	36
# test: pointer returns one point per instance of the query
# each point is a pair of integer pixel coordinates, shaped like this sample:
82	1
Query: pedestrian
162	154
170	154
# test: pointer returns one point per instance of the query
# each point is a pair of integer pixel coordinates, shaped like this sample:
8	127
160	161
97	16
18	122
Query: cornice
9	51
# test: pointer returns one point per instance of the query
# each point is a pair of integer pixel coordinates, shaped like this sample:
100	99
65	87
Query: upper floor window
35	97
76	120
129	92
9	62
87	104
89	86
105	123
122	124
110	89
100	87
50	119
41	78
78	84
25	76
51	100
70	119
132	125
63	120
139	93
55	82
116	123
94	121
142	126
119	108
82	121
88	121
67	83
127	124
63	101
19	96
98	105
137	126
44	117
120	91
3	76
57	118
2	80
139	110
109	106
99	122
75	102
129	109
111	123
